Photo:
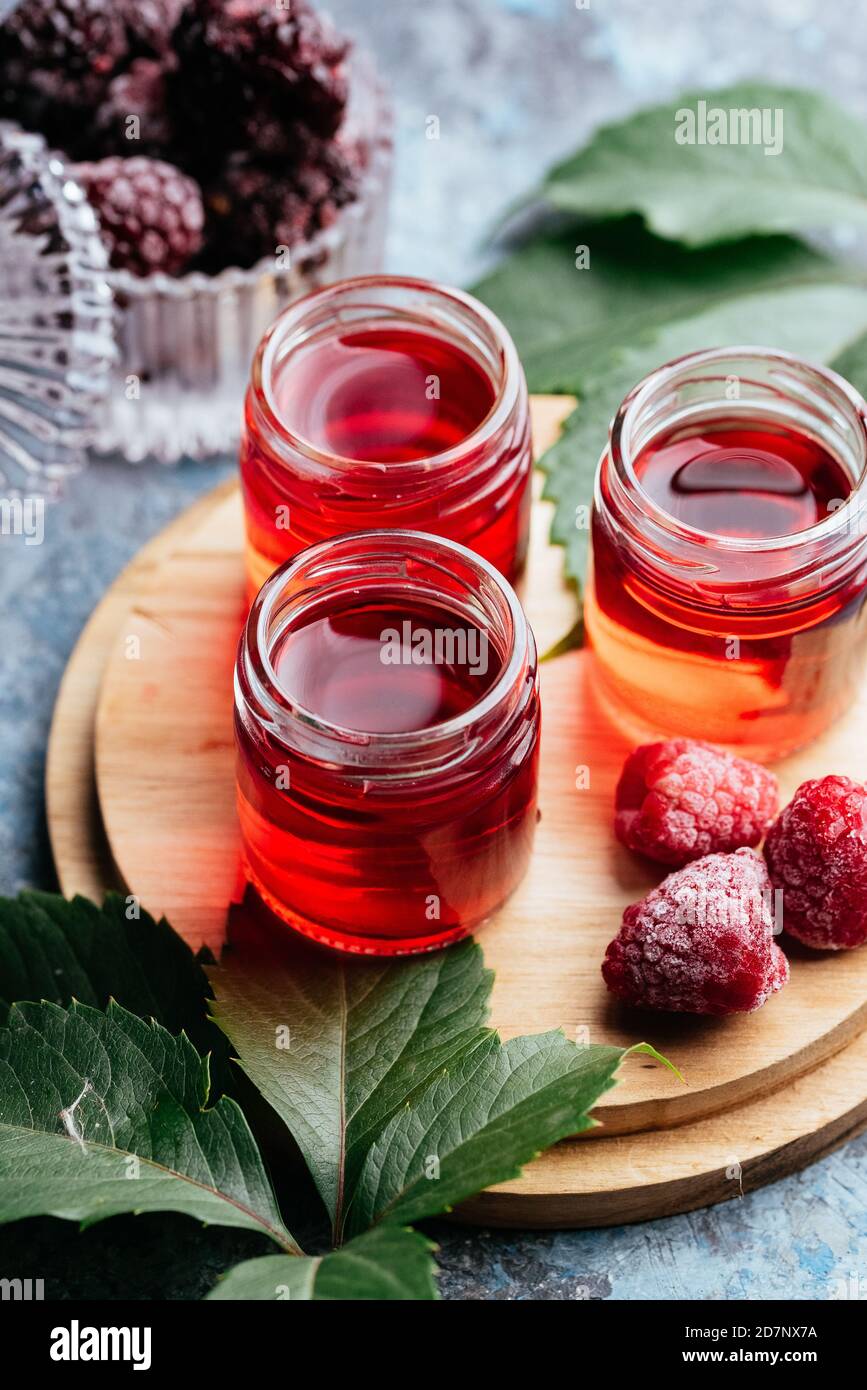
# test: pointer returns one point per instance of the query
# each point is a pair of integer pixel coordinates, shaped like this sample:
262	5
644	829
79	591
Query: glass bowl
186	344
57	339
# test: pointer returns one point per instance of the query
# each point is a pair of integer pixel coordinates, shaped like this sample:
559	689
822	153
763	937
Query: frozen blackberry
253	209
150	213
70	36
150	24
249	71
57	58
133	119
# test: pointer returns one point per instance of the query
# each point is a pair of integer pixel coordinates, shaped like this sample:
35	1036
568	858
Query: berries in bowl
236	153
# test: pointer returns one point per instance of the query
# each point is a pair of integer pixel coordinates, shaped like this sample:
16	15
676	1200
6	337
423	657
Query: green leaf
570	324
478	1123
705	193
569	642
816	321
102	1113
852	363
362	1036
57	949
389	1264
400	1100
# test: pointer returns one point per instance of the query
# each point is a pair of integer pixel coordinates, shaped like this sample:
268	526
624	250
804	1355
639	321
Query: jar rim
624	421
507	388
280	704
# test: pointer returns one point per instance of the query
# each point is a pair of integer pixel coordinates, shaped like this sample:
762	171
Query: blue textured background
515	84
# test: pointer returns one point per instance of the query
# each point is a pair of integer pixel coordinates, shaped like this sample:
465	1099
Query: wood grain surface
152	673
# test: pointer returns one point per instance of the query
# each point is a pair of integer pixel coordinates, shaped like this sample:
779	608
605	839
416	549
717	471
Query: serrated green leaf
61	949
705	193
389	1264
359	1037
478	1123
569	325
400	1100
817	321
102	1113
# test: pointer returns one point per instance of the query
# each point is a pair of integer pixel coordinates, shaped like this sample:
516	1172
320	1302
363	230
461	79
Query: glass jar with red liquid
729	539
386	402
387	727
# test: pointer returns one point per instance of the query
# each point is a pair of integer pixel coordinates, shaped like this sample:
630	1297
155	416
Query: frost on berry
817	856
244	99
249	71
702	942
682	799
251	213
150	214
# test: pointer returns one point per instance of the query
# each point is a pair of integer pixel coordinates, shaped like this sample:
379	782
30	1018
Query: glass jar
749	629
387	727
386	401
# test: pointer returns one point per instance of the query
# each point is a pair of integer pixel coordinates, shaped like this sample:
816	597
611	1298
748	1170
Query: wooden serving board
163	643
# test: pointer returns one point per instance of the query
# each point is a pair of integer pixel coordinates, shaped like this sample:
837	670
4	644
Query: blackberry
74	36
150	24
150	213
249	71
254	208
133	119
57	58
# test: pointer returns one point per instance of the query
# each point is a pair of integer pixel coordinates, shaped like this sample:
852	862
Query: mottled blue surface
515	84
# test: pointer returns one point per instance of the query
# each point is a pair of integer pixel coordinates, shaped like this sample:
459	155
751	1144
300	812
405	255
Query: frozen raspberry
250	70
253	209
817	855
702	942
150	213
680	800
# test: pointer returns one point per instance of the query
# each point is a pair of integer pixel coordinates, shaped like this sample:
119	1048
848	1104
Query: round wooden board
178	853
81	853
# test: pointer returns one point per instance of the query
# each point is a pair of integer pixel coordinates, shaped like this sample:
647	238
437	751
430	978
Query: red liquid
368	864
743	482
384	395
693	661
379	397
334	666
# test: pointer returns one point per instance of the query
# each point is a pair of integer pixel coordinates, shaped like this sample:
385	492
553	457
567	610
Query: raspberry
252	209
680	800
248	66
817	855
150	213
700	943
